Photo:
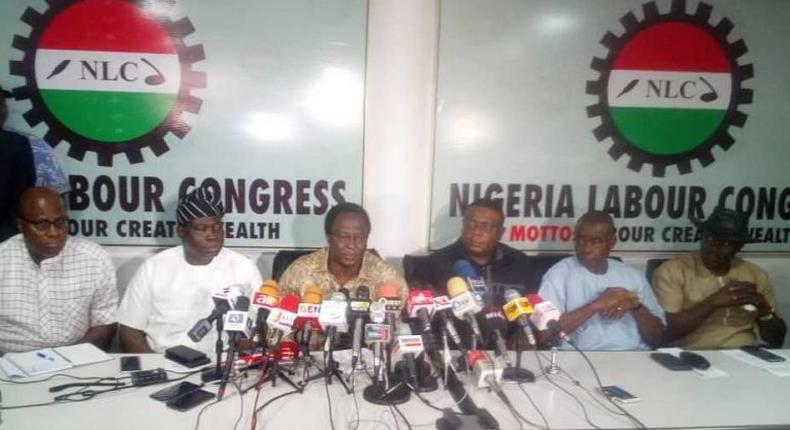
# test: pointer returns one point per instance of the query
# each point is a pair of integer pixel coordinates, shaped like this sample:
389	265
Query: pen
42	355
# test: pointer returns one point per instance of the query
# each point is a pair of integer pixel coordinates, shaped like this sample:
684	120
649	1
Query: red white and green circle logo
670	88
108	76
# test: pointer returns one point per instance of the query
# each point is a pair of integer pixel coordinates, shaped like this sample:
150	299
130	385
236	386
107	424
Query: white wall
399	129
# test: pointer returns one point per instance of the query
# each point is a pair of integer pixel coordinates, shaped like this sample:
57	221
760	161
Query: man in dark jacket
16	172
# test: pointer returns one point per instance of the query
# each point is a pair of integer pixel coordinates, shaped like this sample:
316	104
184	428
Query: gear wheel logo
670	88
108	76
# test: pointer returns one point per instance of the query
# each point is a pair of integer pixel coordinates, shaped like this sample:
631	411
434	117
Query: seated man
714	299
605	304
54	289
345	262
172	290
479	244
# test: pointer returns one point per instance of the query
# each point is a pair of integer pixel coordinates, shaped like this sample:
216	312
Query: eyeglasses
350	238
45	224
485	227
205	228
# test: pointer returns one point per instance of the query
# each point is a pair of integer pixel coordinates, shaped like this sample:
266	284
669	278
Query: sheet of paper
39	361
83	353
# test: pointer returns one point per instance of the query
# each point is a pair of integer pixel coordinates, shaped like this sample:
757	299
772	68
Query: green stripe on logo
666	131
108	116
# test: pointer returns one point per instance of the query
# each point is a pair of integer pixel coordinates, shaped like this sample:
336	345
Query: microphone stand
380	392
228	367
212	374
331	367
517	373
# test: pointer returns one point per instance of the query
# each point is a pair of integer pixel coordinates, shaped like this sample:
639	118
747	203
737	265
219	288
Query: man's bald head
41	217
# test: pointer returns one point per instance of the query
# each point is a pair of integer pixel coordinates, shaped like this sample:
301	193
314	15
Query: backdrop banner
652	112
145	100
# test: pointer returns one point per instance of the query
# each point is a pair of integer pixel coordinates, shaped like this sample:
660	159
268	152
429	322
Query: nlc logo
108	76
670	88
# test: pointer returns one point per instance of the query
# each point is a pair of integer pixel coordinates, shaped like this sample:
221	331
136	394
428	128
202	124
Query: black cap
726	224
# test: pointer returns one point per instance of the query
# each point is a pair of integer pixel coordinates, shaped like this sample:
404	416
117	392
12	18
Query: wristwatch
768	317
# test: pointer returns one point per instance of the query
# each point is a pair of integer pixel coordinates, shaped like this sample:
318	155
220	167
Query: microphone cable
329	405
564	390
534	405
633	419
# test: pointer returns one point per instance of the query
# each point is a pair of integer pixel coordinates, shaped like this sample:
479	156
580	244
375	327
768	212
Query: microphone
237	322
307	316
222	303
464	303
333	318
487	371
464	269
495	324
393	304
281	319
410	347
546	316
377	333
442	307
358	312
518	309
263	301
420	307
204	325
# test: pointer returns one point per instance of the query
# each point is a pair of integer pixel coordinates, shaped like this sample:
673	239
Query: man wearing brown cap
714	299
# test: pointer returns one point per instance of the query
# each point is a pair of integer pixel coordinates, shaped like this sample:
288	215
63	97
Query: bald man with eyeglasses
54	289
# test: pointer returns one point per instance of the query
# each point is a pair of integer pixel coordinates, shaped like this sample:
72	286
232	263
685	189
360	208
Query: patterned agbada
312	269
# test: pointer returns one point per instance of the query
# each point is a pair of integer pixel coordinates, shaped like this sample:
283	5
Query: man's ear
180	231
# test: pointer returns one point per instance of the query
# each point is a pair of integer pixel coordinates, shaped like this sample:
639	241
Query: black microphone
238	325
202	327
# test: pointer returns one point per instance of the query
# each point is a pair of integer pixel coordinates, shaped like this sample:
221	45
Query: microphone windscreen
313	294
363	292
242	304
290	303
464	269
534	299
495	322
388	290
512	294
456	286
270	288
339	296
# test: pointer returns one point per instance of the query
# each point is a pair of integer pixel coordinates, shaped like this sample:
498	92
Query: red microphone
420	306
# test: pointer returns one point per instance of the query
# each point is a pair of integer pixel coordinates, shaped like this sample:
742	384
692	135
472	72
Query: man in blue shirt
605	304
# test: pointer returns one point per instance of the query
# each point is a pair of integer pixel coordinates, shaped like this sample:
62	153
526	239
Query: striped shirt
57	302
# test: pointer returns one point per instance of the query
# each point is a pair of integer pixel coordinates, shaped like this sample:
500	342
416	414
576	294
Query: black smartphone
174	391
190	400
762	354
130	363
670	361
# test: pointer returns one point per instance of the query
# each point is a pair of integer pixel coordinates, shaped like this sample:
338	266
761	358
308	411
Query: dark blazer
17	173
